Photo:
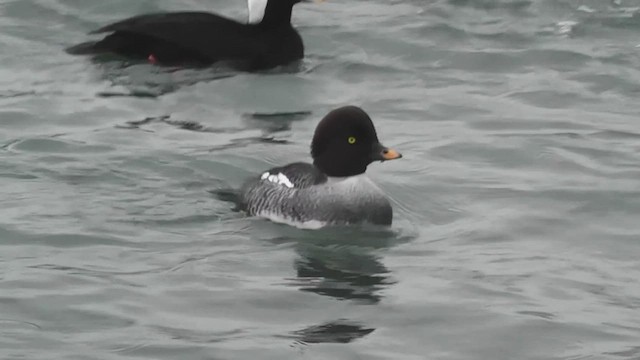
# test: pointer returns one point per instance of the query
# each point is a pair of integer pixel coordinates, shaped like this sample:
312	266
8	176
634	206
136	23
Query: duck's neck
337	179
277	13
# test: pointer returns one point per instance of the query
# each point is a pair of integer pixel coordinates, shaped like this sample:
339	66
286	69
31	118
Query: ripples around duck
516	202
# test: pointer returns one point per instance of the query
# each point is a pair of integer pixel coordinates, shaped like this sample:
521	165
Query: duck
333	189
191	38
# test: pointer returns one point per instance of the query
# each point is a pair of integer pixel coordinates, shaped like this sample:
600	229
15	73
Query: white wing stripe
280	179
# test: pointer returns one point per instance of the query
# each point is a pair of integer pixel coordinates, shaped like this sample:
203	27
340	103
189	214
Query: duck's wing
273	190
295	175
210	34
276	190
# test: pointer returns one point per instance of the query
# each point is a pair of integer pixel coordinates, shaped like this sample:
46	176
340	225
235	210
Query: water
516	229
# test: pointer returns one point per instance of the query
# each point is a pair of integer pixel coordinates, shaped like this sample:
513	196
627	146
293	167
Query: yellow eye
351	140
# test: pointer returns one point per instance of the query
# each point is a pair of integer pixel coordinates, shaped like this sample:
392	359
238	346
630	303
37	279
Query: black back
203	38
301	174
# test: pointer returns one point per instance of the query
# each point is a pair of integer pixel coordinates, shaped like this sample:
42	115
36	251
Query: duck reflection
344	267
340	262
342	273
274	122
140	80
341	331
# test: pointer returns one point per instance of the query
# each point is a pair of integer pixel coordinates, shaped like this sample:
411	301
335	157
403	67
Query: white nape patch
256	10
278	178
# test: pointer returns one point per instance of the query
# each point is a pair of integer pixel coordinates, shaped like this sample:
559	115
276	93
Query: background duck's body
201	38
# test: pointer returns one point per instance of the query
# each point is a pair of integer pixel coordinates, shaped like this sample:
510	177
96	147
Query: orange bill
390	154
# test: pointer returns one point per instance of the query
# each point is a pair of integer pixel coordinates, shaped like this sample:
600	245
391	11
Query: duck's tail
86	48
229	195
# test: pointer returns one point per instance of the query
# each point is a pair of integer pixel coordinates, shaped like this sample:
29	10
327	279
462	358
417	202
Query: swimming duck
334	189
202	38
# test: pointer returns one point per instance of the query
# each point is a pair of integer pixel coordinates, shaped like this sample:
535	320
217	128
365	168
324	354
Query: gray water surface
515	233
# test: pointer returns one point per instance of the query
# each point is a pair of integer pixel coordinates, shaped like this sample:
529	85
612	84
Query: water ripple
515	205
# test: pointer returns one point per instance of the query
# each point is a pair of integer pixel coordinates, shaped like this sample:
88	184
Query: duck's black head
345	143
270	13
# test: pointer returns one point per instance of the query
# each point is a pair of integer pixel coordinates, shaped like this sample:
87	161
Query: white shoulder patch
278	178
256	10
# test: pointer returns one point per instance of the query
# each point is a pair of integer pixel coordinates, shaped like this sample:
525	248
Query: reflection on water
341	273
341	331
344	263
333	262
274	122
144	80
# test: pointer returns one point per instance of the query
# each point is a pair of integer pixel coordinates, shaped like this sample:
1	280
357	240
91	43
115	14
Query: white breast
256	10
359	184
